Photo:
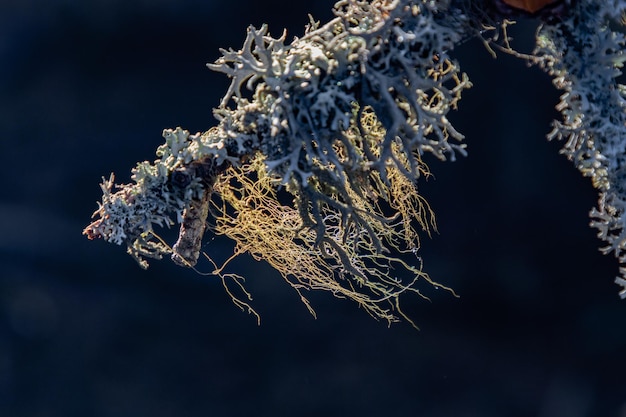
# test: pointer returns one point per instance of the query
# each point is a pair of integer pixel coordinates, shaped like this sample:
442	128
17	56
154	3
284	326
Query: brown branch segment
186	250
187	247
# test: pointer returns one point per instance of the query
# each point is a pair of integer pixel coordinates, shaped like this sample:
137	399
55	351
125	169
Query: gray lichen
584	57
339	120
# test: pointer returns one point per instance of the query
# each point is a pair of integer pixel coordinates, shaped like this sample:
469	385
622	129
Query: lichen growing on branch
314	163
584	56
338	120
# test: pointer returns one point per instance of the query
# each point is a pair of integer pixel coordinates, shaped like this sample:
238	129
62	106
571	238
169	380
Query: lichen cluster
314	162
337	121
584	56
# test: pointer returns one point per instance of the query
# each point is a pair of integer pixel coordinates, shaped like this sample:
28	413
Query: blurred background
87	87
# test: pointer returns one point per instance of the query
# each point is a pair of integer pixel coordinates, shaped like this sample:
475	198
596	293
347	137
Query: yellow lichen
335	237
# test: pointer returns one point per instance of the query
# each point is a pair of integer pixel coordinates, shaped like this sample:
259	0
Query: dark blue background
87	87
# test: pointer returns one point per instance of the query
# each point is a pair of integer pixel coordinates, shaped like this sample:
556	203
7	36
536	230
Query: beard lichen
323	239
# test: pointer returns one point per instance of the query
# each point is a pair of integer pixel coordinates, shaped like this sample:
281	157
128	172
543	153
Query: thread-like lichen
318	241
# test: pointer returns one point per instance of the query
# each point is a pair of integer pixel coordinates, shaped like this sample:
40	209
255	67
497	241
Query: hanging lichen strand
337	120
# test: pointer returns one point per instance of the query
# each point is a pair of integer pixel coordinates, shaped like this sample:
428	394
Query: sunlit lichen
316	240
314	162
338	120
